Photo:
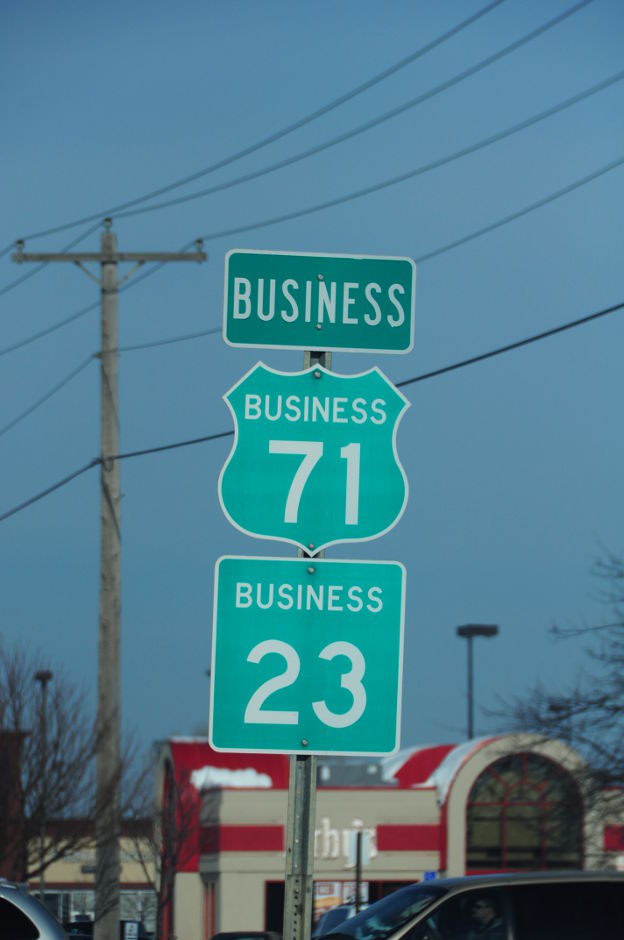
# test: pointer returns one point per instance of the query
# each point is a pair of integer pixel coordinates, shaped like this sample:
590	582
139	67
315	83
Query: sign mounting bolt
304	742
311	570
317	374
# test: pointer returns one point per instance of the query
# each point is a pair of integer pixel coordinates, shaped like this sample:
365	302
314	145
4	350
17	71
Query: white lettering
348	301
334	599
320	408
396	289
277	409
285	601
351	598
315	597
355	602
292	411
286	287
338	415
379	415
243	594
375	602
319	301
372	320
252	407
242	293
359	410
268	603
271	311
313	409
327	302
330	842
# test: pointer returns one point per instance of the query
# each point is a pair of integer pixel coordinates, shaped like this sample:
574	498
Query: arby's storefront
424	812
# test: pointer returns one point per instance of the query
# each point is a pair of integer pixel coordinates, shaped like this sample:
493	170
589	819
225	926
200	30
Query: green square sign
307	656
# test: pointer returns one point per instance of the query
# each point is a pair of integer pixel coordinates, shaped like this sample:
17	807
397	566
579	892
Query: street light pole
469	631
43	676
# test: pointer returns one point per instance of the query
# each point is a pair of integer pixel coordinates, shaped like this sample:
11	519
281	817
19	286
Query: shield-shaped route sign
314	459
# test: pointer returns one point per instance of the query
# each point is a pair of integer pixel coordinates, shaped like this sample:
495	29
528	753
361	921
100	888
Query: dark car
584	905
247	935
333	917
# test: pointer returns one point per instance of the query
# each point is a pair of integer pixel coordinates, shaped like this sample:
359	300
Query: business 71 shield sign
314	459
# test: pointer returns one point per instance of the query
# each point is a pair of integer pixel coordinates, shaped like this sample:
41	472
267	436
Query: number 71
312	452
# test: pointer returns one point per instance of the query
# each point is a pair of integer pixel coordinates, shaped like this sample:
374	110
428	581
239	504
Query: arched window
524	812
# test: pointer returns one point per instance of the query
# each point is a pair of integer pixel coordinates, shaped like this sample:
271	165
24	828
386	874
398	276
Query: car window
573	911
336	916
466	916
383	918
14	923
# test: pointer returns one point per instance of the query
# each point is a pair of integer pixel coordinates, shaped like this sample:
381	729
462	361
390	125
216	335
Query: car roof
48	927
524	877
232	934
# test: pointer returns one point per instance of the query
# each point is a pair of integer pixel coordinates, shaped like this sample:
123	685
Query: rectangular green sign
298	300
307	656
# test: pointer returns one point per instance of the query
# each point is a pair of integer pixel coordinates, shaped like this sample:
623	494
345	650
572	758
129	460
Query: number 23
351	681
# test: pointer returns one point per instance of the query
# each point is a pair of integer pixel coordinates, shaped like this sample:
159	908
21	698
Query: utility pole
108	729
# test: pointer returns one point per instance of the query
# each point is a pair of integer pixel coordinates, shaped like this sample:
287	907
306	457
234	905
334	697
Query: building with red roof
490	804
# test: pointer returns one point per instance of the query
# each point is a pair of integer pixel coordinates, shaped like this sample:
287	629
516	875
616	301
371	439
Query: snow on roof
209	778
443	776
425	766
431	766
192	754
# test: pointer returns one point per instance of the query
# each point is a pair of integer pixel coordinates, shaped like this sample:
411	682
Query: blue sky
514	464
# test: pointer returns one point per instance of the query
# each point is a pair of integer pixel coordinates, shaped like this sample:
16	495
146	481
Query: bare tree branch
55	790
589	713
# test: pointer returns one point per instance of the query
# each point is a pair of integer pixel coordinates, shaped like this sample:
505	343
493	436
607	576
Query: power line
520	212
277	135
366	126
500	350
510	346
418	171
40	267
49	329
84	310
430	254
168	342
72	375
120	349
176	446
50	489
576	184
44	398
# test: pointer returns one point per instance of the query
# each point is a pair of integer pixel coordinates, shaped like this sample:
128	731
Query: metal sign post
301	817
314	463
